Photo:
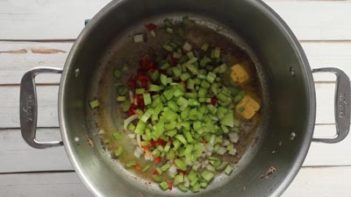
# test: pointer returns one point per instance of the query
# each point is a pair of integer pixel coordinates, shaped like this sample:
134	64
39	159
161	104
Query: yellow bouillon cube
239	75
248	107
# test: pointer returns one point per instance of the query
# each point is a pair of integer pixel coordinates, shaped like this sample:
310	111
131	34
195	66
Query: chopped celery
140	127
228	170
164	185
207	175
147	98
118	152
180	164
146	168
94	104
130	164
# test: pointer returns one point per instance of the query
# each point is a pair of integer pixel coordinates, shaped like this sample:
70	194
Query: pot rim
307	74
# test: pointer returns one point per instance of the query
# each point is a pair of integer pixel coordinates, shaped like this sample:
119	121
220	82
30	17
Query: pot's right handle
29	107
342	105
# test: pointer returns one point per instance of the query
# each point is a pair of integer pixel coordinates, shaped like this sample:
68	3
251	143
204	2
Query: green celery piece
117	135
221	69
147	98
165	66
171	125
185	76
204	47
118	152
207	175
186	125
171	155
164	185
140	91
165	167
195	187
192	60
157	178
146	168
120	98
125	105
202	92
176	71
168	94
94	104
188	136
140	127
180	164
154	88
158	130
228	119
203	184
167	147
181	138
216	53
131	127
190	84
173	106
182	102
228	170
172	133
155	75
179	178
222	166
130	164
193	102
191	95
239	96
205	84
211	77
182	188
117	74
164	79
192	68
178	92
190	54
145	117
169	115
204	61
167	47
148	134
176	144
184	115
156	152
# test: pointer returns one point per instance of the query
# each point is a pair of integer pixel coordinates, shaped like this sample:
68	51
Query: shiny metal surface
29	107
341	107
289	96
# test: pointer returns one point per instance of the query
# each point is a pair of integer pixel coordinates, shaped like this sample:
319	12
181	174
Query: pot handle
342	105
29	107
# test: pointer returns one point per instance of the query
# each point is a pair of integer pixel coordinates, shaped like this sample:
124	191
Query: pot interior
285	131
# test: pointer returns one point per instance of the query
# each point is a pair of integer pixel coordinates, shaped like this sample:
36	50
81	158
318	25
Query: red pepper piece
158	142
214	101
143	80
140	101
132	83
146	63
157	160
137	167
170	185
132	110
151	26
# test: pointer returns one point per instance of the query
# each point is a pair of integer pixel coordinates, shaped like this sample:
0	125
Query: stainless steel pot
289	97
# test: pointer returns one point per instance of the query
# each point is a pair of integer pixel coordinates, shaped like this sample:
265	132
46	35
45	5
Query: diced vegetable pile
182	114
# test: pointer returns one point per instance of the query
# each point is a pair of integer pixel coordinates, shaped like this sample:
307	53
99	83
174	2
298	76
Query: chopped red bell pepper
137	167
170	185
158	142
214	101
146	63
132	83
132	110
151	26
157	160
143	80
140	101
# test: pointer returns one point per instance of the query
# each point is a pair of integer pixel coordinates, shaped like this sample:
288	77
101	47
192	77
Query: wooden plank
13	64
42	184
18	57
323	182
47	106
52	19
17	156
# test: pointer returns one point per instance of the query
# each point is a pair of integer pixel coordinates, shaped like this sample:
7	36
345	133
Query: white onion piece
138	152
221	150
172	171
131	96
233	137
129	120
232	152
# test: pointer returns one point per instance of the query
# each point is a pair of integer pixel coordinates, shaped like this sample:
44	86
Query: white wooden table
41	32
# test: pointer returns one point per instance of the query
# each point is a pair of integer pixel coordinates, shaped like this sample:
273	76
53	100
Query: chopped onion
138	140
148	156
221	150
131	96
129	120
139	38
131	135
138	152
172	171
232	152
233	137
226	142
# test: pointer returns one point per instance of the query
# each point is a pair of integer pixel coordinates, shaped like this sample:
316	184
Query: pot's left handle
29	107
